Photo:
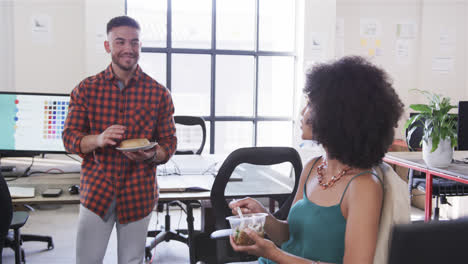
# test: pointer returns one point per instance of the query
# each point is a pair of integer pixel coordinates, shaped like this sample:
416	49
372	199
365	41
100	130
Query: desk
41	182
413	160
257	182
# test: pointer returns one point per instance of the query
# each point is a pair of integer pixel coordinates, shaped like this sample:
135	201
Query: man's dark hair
354	110
122	21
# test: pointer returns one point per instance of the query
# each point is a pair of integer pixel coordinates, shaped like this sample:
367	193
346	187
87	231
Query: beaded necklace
333	179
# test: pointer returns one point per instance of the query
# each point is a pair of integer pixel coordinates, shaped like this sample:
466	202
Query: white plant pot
441	157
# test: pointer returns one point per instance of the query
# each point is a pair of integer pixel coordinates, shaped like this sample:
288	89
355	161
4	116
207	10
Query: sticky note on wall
363	42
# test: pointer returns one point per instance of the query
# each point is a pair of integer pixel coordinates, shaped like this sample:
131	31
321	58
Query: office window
191	24
235	77
154	64
191	84
274	133
152	16
235	24
275	85
233	135
276	25
230	61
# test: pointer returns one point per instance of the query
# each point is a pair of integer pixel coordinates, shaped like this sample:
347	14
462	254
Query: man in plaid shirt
120	188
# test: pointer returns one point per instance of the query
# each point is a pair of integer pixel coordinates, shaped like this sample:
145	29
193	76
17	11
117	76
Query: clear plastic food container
253	221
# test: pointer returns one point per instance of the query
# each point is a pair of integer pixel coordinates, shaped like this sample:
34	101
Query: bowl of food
241	223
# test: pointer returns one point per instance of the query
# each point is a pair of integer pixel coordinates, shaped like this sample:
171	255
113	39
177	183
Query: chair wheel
148	254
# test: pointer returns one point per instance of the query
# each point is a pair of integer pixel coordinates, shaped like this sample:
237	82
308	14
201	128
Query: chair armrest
221	234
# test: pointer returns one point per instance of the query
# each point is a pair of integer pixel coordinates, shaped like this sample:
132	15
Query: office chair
15	221
441	188
187	206
429	243
191	121
255	156
7	212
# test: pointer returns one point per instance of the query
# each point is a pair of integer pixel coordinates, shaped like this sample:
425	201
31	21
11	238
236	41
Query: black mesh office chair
255	156
179	235
15	221
7	212
191	121
441	188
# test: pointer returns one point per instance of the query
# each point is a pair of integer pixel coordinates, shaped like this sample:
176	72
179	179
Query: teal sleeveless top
316	232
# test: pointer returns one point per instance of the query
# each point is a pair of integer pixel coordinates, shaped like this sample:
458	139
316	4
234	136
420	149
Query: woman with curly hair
352	110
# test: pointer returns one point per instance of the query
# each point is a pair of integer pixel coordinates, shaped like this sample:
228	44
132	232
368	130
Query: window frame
213	51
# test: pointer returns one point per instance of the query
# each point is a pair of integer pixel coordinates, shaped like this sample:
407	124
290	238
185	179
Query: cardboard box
418	199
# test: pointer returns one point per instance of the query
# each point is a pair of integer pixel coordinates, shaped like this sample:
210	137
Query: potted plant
439	129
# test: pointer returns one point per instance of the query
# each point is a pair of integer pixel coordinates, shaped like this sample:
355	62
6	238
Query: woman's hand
247	206
262	247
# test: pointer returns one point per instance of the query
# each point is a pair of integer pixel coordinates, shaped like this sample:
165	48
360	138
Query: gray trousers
94	233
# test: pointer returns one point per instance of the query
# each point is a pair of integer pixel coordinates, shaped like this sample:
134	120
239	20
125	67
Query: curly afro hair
354	110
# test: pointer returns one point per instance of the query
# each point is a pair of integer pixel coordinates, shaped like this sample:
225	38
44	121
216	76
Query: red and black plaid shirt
145	107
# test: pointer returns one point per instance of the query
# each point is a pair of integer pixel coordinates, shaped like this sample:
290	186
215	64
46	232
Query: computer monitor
463	125
32	123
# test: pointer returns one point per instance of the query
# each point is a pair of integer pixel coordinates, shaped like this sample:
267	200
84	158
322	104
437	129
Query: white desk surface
257	181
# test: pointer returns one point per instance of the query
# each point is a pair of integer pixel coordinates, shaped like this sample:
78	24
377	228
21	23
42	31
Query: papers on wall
100	37
443	59
402	51
339	38
41	29
442	64
339	28
406	30
317	51
370	37
370	28
339	47
406	34
447	40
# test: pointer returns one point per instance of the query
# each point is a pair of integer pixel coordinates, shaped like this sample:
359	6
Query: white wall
78	30
432	17
6	46
97	14
437	17
56	60
50	61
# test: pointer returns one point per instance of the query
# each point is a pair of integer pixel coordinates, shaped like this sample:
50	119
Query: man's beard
115	60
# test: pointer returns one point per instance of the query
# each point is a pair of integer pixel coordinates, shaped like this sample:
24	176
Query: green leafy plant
435	120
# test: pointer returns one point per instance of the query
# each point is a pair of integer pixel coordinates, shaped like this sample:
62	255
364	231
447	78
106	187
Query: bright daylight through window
230	61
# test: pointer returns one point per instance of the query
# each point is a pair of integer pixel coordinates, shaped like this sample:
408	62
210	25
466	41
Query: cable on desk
26	172
11	179
77	160
211	169
54	169
163	171
462	161
59	171
176	167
